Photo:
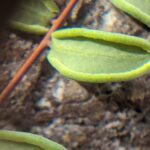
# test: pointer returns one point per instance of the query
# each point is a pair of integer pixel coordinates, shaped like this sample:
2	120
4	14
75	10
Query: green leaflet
11	140
34	16
97	56
139	9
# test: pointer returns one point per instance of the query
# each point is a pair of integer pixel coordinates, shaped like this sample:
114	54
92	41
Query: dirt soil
81	116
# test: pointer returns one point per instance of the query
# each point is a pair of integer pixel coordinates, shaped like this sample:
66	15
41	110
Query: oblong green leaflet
12	140
139	9
34	16
97	56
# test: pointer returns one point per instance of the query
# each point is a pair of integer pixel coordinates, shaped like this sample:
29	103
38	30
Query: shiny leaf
98	56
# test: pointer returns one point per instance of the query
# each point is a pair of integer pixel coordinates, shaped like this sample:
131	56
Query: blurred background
7	7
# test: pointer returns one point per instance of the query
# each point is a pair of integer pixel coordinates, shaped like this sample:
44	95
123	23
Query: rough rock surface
81	116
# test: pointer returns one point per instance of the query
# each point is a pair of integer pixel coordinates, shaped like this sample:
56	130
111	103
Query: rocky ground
81	116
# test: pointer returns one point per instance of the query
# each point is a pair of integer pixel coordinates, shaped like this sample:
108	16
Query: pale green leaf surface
139	9
9	145
97	56
34	16
11	140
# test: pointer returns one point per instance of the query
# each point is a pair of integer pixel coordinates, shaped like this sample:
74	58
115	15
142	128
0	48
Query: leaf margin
108	36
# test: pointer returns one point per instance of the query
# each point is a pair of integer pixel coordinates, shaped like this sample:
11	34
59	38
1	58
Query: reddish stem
40	48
